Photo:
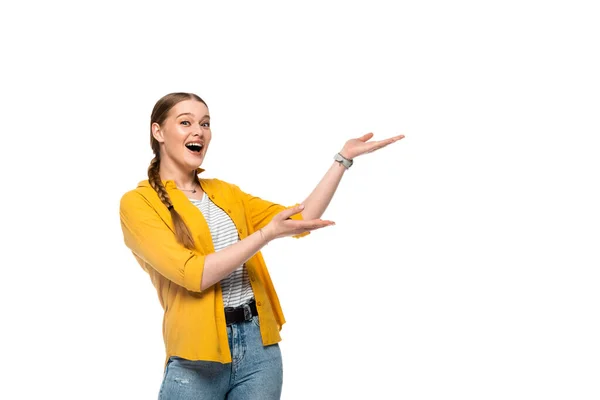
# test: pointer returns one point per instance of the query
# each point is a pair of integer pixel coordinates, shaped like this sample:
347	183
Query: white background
465	259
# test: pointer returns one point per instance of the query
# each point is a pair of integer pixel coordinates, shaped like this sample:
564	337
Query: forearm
318	201
220	264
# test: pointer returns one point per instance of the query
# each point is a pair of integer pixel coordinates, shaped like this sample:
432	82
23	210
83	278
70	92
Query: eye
205	124
185	123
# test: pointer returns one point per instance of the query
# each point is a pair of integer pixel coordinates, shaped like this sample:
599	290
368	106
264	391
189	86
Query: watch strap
343	160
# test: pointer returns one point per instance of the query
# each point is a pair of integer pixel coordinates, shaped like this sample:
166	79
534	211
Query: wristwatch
343	160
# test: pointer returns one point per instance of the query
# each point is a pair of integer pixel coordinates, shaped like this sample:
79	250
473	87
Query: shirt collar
169	184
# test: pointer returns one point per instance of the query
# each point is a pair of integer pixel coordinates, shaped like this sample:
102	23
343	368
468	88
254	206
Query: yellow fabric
194	321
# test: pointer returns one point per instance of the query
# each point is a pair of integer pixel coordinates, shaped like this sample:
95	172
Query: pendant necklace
187	190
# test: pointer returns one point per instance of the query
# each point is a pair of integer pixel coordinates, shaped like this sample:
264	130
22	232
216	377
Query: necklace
187	190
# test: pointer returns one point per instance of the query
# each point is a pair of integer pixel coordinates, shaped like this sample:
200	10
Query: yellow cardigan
194	321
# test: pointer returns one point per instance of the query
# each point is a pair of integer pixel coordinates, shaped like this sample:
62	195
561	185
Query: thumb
287	213
366	137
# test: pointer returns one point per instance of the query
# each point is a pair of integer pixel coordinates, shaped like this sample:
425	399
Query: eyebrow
206	116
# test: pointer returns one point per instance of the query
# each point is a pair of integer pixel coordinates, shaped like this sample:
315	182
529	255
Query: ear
157	132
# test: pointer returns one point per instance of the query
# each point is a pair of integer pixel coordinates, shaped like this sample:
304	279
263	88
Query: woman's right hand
282	225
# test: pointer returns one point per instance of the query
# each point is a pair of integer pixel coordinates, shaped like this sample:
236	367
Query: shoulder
214	185
141	196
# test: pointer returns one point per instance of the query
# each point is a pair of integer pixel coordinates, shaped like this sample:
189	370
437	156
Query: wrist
344	153
265	235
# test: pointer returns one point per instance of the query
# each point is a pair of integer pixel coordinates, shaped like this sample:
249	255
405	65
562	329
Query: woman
199	240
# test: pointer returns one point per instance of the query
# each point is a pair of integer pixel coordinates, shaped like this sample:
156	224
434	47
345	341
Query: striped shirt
236	287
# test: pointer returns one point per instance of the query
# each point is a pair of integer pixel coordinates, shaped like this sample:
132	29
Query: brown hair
159	115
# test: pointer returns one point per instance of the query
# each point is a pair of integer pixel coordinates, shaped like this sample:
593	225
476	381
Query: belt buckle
247	312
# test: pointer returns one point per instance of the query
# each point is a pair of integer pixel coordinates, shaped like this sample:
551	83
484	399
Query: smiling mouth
195	147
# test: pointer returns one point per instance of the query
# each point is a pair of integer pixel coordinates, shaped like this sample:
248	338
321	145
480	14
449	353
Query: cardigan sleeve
153	240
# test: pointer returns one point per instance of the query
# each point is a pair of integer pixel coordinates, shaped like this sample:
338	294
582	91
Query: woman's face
185	134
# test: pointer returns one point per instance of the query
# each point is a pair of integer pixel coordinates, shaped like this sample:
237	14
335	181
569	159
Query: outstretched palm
356	147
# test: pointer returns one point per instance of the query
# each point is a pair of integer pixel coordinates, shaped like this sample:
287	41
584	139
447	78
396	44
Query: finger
366	137
320	226
392	139
287	213
378	145
387	141
320	223
382	143
313	228
310	224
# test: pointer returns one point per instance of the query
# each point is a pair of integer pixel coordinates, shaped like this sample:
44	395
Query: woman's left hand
356	147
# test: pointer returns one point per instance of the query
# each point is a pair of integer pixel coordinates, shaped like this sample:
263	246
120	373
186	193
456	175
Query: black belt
245	312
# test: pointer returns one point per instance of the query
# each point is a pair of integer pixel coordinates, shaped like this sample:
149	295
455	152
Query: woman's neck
183	179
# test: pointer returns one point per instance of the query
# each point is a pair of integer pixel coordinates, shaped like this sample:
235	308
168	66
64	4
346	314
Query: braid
182	232
156	182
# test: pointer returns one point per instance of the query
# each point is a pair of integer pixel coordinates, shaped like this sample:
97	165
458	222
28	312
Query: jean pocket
182	361
256	321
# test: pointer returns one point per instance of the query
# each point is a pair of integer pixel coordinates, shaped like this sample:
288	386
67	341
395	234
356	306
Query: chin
193	167
194	163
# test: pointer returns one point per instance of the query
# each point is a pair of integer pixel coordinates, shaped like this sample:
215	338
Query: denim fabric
255	373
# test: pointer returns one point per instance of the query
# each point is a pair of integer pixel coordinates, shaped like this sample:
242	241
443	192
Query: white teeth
194	145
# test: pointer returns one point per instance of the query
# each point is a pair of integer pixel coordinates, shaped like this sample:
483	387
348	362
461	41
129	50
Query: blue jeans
255	373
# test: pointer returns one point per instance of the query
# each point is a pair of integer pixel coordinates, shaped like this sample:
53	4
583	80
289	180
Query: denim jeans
255	373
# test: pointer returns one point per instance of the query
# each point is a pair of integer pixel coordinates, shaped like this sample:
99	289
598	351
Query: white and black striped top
236	287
